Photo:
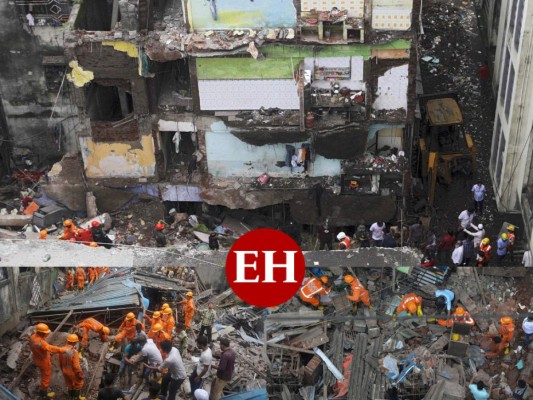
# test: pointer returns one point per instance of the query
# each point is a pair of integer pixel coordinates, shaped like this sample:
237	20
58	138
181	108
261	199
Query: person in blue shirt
479	390
501	249
131	349
444	298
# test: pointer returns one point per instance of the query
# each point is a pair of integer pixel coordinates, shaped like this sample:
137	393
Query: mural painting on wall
239	14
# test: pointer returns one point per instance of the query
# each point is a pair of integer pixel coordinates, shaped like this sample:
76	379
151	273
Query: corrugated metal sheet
157	281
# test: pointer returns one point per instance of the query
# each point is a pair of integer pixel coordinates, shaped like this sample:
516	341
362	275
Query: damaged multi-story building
305	105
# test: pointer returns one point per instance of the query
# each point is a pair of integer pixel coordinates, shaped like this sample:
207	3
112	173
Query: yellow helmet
511	228
164	306
67	223
157	314
42	328
348	279
506	320
167	311
460	311
485	241
189	294
157	327
106	330
505	236
130	315
73	338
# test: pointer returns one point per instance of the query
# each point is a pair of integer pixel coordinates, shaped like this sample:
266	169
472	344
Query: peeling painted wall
118	160
392	88
227	156
241	14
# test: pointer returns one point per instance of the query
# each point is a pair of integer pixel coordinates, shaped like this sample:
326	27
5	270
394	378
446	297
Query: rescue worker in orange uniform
41	350
127	330
155	319
410	303
167	320
99	272
359	293
486	248
164	306
92	275
69	280
188	309
313	288
91	324
460	315
158	335
503	341
512	237
80	278
344	241
70	230
69	361
84	236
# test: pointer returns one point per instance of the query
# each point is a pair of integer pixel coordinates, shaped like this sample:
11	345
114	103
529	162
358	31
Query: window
513	15
518	27
3	273
495	141
501	154
109	103
503	85
45	12
509	95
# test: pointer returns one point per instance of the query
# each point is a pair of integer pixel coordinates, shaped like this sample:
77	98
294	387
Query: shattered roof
156	281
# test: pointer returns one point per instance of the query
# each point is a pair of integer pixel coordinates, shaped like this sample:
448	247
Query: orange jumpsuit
153	320
41	350
311	290
69	280
91	324
159	337
168	323
486	248
69	362
359	293
92	275
69	233
188	309
80	277
127	330
464	319
99	272
409	298
506	332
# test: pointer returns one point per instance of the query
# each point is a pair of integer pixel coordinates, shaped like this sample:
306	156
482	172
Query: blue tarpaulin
258	394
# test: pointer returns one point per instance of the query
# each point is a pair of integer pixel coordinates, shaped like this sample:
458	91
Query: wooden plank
483	298
30	361
292	348
98	368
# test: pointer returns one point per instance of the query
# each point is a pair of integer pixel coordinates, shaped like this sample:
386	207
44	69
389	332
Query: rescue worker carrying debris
80	278
502	342
41	350
127	330
460	315
188	309
359	293
344	241
91	324
69	361
410	303
70	230
158	335
168	321
312	289
69	280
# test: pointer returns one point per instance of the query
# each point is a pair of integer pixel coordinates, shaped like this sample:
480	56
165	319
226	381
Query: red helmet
95	224
159	227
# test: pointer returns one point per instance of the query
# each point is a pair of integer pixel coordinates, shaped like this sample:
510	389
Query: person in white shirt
527	259
478	234
377	229
457	255
479	191
201	372
150	353
527	327
31	21
466	217
176	374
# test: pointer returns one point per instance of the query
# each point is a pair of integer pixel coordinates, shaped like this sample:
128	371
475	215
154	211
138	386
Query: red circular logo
265	267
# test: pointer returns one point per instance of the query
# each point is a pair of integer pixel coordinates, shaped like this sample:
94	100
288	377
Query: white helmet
341	236
480	226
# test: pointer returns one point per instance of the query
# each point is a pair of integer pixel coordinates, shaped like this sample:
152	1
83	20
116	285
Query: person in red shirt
446	246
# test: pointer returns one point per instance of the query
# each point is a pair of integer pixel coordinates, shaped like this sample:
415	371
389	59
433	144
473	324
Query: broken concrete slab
15	220
14	354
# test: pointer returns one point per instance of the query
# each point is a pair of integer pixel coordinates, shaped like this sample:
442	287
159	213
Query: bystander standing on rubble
446	246
457	254
527	327
207	320
479	390
479	190
501	248
416	234
478	234
129	351
361	235
201	372
468	250
377	229
465	218
325	236
176	374
225	369
430	245
31	21
109	391
388	240
521	392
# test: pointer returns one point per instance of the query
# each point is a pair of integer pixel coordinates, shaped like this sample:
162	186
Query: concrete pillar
123	102
114	15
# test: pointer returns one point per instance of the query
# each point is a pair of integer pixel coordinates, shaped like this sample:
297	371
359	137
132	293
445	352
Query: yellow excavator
444	145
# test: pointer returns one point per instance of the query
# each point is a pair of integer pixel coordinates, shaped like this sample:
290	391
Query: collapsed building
196	101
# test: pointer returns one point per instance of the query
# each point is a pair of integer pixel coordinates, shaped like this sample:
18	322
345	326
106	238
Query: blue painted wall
227	156
240	14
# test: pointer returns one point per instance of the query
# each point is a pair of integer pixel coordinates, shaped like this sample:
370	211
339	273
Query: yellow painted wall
118	160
